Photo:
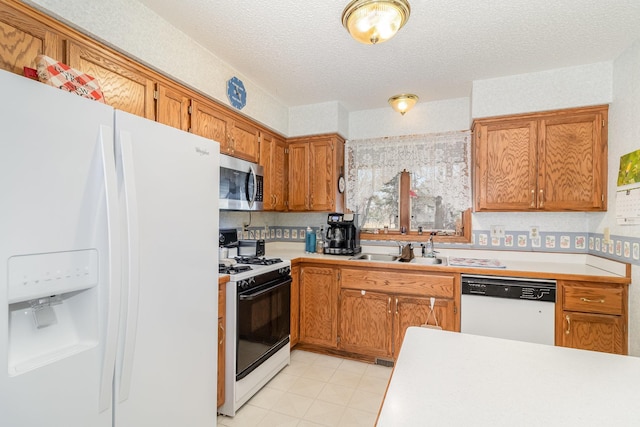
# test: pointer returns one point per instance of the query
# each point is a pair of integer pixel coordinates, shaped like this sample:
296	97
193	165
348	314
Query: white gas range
257	326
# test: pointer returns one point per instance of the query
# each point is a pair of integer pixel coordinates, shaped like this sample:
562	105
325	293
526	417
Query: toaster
251	247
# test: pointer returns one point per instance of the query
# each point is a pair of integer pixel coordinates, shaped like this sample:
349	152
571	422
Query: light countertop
452	379
539	264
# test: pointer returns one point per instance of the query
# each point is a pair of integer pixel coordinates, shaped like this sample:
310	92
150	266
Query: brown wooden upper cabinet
123	85
315	162
24	38
172	106
553	161
237	137
273	158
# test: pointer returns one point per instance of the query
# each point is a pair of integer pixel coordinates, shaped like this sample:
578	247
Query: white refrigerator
108	265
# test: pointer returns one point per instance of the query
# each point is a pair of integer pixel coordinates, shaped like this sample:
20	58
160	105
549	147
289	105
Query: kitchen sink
376	257
429	261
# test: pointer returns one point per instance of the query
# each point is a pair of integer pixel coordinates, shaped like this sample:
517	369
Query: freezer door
166	369
55	269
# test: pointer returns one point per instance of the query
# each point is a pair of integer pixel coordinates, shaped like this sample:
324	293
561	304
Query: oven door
263	324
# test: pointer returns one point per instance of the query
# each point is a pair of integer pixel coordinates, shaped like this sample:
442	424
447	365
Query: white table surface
452	379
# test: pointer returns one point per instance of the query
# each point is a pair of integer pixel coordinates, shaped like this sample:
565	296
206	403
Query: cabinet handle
541	200
568	324
533	198
389	305
223	335
396	306
601	301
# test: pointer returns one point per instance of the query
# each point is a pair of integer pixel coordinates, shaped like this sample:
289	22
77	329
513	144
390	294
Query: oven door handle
251	297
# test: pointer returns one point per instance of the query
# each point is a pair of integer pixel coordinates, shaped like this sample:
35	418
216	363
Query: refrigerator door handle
114	266
131	277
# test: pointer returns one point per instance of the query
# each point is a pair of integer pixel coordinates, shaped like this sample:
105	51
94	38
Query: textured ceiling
299	52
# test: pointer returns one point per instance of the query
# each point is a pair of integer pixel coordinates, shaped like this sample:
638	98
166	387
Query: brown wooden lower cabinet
318	306
414	311
295	305
599	332
374	323
365	312
366	321
222	303
592	316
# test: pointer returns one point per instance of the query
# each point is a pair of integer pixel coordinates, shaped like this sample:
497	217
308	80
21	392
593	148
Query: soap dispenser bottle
310	241
319	240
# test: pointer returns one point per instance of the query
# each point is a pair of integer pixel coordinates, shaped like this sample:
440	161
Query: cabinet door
298	176
506	170
273	159
365	322
173	107
266	146
279	174
124	87
221	340
23	38
210	122
244	137
414	311
572	173
598	332
322	179
318	306
295	305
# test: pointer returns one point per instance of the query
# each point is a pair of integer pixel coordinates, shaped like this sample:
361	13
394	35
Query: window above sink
407	187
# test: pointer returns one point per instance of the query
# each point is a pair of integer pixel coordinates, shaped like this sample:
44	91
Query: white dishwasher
514	308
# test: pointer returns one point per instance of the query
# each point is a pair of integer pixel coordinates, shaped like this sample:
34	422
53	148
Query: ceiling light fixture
375	21
404	102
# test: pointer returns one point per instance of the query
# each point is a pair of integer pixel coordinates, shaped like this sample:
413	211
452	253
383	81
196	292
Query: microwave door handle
252	175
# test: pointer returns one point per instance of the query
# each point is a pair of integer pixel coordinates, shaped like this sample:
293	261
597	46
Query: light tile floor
316	390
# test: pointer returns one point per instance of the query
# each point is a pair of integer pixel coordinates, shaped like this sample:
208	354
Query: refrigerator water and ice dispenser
53	307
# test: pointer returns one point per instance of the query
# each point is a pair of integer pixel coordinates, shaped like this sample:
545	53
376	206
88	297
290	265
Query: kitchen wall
133	29
624	137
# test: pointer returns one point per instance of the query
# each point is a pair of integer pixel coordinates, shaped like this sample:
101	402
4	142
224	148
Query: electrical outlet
497	231
534	232
607	235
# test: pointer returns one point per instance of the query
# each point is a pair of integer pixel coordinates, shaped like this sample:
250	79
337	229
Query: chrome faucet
427	249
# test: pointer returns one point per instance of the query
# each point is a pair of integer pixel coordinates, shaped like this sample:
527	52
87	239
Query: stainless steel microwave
241	185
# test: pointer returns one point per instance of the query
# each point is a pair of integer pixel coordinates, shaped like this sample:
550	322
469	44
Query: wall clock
341	184
236	93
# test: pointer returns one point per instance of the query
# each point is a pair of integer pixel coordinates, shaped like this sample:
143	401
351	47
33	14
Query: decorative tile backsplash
620	248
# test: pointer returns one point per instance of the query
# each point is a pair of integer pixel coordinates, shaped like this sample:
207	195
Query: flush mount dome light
403	102
375	21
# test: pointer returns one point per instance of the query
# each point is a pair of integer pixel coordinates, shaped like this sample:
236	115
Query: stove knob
252	281
284	271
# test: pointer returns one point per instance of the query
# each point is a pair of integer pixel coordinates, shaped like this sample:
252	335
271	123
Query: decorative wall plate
236	93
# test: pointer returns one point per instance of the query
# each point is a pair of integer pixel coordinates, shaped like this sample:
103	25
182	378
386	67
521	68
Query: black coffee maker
343	236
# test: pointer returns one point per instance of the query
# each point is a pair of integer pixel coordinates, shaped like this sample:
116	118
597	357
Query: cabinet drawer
394	282
591	299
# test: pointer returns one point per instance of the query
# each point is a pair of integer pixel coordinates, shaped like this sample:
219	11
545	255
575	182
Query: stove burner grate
257	260
232	269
